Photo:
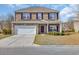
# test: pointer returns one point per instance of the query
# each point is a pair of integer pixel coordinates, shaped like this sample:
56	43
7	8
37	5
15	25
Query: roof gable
36	9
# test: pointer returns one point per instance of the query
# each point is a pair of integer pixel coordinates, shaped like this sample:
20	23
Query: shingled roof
36	9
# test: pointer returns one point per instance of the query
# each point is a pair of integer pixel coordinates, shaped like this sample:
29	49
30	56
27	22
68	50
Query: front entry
42	29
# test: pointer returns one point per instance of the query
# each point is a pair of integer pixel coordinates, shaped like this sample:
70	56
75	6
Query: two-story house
36	20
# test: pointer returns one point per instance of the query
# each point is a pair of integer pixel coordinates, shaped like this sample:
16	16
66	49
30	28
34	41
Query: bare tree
10	18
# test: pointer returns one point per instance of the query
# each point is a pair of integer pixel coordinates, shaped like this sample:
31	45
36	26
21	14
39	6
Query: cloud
75	7
17	6
69	12
66	10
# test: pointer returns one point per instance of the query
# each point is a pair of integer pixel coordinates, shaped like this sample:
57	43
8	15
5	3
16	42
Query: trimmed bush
54	33
58	33
0	32
6	31
50	33
62	33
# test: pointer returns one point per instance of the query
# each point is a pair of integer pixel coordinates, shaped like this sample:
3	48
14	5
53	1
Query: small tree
6	24
6	31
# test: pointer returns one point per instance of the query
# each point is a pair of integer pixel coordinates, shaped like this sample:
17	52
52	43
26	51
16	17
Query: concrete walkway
17	41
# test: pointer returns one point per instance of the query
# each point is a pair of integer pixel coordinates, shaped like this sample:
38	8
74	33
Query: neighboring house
67	26
76	22
76	25
36	20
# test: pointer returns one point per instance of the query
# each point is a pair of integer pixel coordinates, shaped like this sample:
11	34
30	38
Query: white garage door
22	29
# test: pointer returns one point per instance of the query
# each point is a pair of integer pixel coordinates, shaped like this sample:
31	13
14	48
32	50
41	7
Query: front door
42	29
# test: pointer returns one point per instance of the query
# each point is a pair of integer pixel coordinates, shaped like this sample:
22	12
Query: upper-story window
26	16
39	16
52	16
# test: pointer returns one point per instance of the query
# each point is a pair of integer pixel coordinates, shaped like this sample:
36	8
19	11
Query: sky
66	10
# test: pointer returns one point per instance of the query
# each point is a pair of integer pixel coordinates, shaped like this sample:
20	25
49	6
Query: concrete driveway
17	41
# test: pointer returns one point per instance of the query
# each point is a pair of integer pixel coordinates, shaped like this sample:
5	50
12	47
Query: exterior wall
45	29
38	29
18	16
67	26
60	27
33	16
76	26
45	16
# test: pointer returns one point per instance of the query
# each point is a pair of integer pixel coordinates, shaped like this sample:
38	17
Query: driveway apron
17	41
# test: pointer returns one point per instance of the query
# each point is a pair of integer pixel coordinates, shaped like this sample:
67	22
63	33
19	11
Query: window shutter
57	16
21	15
48	15
42	15
30	15
36	15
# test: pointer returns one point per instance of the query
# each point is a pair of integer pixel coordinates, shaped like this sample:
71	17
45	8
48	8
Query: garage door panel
25	29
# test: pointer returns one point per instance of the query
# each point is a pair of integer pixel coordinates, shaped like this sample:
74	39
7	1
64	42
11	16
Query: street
41	50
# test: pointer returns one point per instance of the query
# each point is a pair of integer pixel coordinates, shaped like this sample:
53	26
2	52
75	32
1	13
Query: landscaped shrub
54	33
62	33
0	32
58	33
50	33
73	30
6	31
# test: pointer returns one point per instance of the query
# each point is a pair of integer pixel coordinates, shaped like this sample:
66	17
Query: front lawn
57	40
4	36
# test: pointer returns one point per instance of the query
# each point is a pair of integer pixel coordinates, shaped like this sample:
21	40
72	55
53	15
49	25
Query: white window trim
26	15
39	15
53	27
52	16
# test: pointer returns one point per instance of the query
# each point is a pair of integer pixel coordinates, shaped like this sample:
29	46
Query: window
26	16
39	16
52	28
52	16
